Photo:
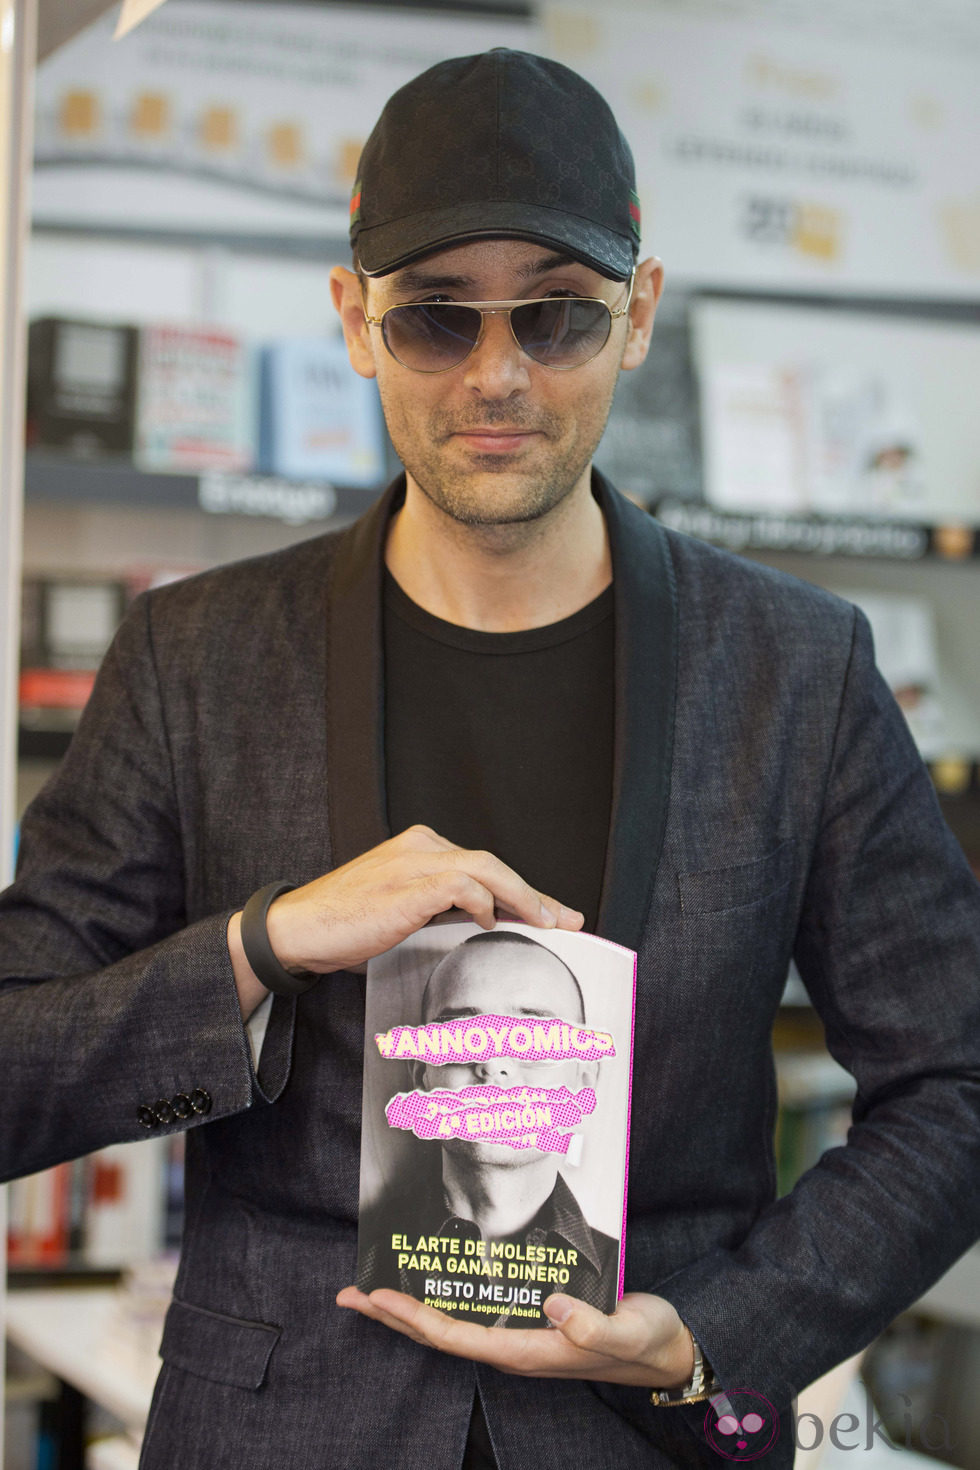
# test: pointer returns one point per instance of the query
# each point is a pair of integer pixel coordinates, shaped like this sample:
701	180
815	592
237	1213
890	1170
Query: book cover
37	1227
495	1129
81	386
318	419
124	1202
195	400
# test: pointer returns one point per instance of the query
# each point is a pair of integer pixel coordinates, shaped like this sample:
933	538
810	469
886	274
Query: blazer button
182	1105
147	1117
201	1101
164	1111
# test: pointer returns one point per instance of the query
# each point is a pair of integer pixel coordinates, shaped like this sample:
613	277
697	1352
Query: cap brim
388	247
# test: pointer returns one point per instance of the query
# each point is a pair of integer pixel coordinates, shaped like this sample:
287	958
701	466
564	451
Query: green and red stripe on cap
635	215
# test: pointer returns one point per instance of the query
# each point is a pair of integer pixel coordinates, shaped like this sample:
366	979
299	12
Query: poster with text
785	145
243	120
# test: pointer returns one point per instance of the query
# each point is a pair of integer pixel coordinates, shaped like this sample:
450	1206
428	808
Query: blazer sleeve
109	1000
888	944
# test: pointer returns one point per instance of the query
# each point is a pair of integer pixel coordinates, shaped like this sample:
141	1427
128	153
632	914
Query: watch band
701	1385
258	950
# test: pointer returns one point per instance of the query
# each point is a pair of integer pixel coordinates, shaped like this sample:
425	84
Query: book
81	385
495	1123
107	1210
124	1207
907	653
318	419
38	1223
68	622
195	401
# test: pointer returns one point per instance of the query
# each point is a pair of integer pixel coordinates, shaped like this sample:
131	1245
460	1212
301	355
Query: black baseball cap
499	144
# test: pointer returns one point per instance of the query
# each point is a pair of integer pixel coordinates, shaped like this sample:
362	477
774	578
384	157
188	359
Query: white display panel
811	412
230	119
781	146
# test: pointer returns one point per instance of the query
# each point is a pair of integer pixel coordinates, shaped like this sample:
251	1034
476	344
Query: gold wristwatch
701	1385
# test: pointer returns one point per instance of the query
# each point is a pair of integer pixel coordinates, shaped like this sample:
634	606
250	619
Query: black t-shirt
504	741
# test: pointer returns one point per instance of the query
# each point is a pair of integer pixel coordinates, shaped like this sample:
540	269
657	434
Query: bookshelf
66	480
852	536
93	1217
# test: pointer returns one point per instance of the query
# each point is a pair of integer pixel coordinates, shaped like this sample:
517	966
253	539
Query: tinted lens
561	331
431	336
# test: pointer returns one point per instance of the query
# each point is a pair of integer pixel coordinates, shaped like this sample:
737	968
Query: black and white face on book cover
495	1134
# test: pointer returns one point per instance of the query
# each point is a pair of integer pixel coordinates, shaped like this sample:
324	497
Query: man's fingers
513	893
370	904
413	1319
357	1301
508	890
628	1335
420	838
567	918
432	1327
580	1324
626	1348
512	1352
466	893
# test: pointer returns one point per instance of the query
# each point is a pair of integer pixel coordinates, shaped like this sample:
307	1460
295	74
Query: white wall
139	281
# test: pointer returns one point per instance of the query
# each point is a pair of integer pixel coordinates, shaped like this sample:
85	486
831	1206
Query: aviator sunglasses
559	331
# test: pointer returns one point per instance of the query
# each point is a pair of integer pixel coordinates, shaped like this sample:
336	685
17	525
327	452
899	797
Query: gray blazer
767	801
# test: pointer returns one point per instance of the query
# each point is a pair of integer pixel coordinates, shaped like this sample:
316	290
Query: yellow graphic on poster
960	224
230	119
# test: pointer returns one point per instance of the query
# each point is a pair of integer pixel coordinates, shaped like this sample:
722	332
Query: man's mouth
495	440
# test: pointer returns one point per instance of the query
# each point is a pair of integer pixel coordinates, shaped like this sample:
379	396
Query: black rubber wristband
258	950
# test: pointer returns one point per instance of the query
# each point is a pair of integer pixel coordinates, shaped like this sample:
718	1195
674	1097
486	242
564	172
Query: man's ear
647	287
345	292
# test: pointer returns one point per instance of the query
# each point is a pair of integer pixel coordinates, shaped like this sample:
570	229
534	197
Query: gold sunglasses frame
498	308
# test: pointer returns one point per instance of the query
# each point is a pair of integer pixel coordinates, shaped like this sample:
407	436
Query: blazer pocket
211	1345
718	890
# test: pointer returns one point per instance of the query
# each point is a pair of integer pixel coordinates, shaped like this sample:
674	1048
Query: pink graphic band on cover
481	1038
521	1117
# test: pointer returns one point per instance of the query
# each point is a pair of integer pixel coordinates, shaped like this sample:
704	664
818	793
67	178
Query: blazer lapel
356	802
645	601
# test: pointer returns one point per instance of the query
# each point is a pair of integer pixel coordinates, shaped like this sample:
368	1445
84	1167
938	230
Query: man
488	1191
562	699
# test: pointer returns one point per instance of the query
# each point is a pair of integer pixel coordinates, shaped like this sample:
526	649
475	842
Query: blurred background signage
795	146
244	119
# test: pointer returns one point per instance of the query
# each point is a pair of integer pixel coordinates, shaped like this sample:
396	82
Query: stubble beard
466	498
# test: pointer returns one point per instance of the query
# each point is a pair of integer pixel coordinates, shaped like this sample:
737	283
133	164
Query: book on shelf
67	623
906	652
195	400
119	1205
39	1218
318	420
496	1120
81	386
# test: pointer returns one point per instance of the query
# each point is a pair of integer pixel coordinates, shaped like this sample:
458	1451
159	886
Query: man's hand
644	1343
348	916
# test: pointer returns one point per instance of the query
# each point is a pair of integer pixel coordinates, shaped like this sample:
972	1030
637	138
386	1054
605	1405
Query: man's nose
499	1071
497	368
